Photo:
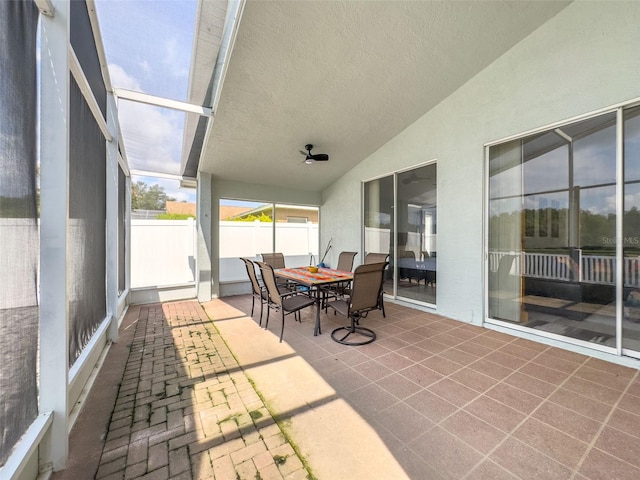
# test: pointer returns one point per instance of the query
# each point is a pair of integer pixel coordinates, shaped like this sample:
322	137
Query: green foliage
174	216
597	231
148	197
19	207
263	217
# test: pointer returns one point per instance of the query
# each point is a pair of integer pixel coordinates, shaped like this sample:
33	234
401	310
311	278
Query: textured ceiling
347	77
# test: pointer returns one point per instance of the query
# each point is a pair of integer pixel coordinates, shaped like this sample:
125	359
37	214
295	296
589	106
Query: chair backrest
276	260
345	261
367	285
269	279
251	271
375	258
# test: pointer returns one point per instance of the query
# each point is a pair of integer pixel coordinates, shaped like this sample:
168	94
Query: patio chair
345	263
286	303
377	258
258	291
365	295
276	260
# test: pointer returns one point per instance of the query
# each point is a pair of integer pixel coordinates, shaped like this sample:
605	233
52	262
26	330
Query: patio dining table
314	281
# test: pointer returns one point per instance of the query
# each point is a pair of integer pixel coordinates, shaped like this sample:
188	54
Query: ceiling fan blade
303	153
320	157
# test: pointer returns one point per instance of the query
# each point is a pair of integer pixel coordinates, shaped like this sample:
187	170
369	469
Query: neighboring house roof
228	211
182	208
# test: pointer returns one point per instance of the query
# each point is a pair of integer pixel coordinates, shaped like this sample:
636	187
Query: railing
593	268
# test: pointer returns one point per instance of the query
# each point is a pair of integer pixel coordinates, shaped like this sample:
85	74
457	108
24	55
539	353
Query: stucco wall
584	59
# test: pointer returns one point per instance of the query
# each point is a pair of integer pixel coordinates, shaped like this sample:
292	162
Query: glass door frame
618	350
394	174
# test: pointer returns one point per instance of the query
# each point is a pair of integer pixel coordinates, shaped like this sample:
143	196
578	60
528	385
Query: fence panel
162	252
249	239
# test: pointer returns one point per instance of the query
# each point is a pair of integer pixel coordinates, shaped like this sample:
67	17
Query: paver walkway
432	398
186	410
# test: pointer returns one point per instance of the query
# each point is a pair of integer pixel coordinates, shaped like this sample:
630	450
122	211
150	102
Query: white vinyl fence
163	251
297	241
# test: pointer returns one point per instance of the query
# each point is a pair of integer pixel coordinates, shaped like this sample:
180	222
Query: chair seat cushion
297	302
340	306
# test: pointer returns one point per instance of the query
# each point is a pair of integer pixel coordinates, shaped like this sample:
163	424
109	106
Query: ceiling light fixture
312	158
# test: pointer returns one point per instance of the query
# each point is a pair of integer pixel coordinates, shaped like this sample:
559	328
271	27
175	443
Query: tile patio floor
432	398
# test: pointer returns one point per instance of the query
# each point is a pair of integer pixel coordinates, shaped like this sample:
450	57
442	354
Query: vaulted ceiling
347	76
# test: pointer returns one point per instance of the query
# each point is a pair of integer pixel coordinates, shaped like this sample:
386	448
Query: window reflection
631	229
551	231
416	210
413	248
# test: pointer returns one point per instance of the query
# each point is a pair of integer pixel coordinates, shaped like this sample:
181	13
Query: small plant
280	459
255	414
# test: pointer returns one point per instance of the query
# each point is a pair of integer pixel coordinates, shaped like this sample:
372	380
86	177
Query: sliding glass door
631	270
379	223
554	211
401	222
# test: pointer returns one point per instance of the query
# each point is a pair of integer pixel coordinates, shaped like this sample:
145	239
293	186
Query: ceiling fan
311	158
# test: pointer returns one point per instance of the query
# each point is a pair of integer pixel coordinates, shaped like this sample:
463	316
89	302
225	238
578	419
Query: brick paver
185	409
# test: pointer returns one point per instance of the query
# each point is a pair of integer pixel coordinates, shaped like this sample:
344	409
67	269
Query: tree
145	197
263	217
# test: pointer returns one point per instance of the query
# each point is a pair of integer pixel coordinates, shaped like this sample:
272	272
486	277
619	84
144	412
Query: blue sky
148	47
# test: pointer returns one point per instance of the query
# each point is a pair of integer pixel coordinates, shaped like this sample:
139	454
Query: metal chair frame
258	290
286	303
365	295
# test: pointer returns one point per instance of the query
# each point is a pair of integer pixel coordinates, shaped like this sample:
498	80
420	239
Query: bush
175	216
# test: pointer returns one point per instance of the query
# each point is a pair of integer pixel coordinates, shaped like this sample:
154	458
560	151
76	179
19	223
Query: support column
54	201
112	219
204	266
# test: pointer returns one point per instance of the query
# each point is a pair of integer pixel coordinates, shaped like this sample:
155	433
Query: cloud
152	137
146	67
121	79
174	59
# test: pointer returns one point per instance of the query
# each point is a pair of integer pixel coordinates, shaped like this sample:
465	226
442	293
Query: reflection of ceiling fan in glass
413	178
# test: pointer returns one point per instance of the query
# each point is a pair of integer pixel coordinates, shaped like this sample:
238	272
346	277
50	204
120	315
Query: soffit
347	77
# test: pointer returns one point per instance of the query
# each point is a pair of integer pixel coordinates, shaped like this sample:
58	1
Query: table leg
317	329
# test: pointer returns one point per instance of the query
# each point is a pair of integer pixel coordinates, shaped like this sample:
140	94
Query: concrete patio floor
182	397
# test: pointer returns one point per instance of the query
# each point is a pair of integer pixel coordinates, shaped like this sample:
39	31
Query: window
248	229
552	220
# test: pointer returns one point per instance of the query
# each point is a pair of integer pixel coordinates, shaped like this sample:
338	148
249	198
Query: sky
148	46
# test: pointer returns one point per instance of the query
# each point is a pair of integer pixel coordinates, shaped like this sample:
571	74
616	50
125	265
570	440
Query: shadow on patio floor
431	398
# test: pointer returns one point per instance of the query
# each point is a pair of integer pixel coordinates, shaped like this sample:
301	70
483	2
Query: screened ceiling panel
148	46
152	137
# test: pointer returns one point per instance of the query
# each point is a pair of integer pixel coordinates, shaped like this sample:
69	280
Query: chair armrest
293	293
